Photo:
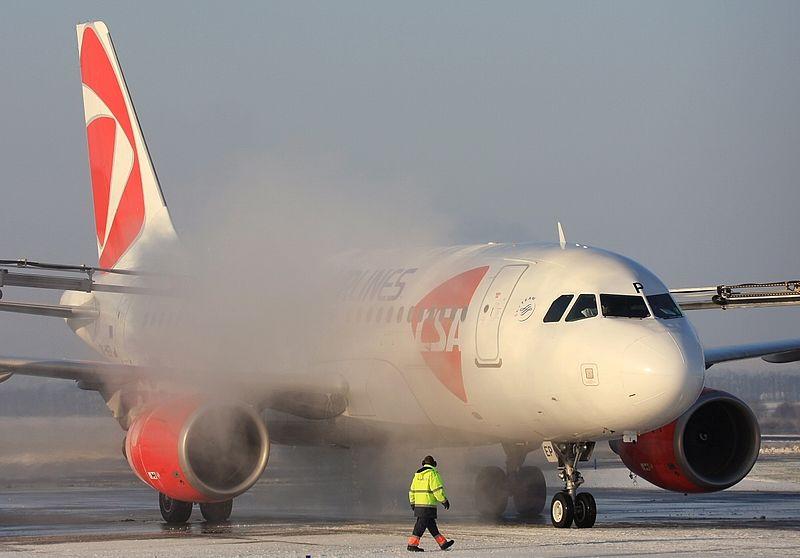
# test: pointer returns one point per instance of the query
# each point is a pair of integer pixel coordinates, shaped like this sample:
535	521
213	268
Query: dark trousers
428	523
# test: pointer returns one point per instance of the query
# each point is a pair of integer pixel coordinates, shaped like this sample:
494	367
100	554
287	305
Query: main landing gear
567	505
174	511
178	512
217	512
524	485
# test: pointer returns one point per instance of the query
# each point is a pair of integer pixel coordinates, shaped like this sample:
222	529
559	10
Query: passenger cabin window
664	306
623	306
558	308
584	307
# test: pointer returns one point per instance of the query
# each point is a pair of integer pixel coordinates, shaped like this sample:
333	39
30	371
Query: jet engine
711	447
194	450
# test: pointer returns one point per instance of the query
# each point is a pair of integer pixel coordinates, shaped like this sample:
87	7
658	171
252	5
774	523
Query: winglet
561	239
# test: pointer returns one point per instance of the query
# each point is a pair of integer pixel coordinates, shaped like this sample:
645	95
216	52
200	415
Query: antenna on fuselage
561	239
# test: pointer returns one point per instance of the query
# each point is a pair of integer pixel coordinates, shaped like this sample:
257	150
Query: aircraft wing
297	394
87	373
772	351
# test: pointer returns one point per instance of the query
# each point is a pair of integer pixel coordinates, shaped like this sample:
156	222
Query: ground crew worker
427	490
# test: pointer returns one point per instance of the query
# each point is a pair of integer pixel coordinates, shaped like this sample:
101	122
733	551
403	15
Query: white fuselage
455	338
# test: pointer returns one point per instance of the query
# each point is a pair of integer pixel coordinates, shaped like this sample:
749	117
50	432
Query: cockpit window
558	308
623	306
664	306
584	307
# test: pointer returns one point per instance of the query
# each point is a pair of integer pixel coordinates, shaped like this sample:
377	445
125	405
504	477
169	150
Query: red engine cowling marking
198	451
711	447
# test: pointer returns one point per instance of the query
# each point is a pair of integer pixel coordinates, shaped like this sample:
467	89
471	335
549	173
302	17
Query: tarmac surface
326	502
115	521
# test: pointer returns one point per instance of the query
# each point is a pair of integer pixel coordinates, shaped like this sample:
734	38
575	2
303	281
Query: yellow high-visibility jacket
427	488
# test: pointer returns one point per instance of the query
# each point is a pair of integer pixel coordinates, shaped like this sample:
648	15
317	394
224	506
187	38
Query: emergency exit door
490	312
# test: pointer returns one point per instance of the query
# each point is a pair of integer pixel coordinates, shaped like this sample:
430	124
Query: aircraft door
490	312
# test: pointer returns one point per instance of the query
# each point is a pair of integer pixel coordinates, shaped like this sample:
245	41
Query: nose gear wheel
585	510
562	510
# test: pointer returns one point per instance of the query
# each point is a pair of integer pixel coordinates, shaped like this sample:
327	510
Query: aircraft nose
662	376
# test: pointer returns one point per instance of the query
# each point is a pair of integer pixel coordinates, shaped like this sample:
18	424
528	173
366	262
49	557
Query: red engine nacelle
198	451
711	447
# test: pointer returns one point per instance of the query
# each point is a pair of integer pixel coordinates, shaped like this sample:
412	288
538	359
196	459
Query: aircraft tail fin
129	207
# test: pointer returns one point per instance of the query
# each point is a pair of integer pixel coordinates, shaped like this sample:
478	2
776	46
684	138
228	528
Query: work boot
444	544
413	544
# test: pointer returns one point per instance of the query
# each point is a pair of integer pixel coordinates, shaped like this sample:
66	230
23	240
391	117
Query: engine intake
711	447
198	451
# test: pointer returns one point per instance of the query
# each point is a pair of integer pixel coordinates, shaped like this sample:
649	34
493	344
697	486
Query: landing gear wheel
585	510
529	491
561	510
174	511
217	512
491	492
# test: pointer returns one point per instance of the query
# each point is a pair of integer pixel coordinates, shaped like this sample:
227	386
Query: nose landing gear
567	505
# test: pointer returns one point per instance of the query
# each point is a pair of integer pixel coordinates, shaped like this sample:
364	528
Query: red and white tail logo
128	204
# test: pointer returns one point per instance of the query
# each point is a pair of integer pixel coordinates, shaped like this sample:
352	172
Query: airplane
556	346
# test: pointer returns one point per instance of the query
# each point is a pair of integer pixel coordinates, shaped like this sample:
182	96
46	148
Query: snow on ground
389	540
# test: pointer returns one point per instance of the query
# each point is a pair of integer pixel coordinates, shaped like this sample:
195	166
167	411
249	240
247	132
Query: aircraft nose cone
662	376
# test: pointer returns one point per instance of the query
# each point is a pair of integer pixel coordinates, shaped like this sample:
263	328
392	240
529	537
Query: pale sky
668	132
